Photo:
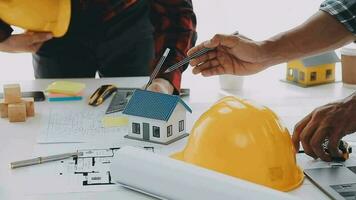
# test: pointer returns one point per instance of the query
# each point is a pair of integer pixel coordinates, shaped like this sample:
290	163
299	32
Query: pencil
158	67
194	55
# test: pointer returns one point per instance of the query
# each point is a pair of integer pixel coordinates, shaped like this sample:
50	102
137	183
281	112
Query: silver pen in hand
194	55
158	67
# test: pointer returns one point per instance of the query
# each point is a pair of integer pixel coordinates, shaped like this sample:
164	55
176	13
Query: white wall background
255	19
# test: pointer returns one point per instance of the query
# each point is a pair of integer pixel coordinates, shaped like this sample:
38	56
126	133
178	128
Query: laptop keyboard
348	191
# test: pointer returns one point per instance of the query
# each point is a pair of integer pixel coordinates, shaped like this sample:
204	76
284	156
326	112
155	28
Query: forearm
350	106
320	33
175	28
174	79
351	100
179	47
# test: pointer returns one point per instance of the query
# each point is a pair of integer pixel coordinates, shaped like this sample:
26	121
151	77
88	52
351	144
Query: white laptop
337	181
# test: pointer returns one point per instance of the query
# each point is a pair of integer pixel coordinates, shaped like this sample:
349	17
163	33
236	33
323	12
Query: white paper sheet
87	173
72	126
167	178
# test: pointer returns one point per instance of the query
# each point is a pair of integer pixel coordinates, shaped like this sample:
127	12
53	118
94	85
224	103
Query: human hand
161	85
231	55
25	42
332	121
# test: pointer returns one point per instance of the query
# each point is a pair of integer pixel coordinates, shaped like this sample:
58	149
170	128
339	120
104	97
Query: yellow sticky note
109	122
65	87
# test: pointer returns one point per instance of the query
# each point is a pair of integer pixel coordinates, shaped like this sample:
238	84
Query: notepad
66	87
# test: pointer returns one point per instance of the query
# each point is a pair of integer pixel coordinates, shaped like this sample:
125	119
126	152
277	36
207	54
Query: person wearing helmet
114	38
333	26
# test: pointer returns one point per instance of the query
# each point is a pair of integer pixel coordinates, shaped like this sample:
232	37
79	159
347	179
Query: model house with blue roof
156	117
313	70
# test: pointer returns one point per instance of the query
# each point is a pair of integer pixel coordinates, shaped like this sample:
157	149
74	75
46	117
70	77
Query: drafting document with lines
89	172
81	125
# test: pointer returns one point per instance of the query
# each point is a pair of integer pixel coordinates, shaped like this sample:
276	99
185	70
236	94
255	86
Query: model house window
156	132
329	73
290	72
301	76
169	131
181	125
313	76
136	128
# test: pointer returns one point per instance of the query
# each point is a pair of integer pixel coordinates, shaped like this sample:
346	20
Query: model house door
146	131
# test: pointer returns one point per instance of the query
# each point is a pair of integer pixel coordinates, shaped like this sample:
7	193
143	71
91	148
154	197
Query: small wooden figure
12	93
3	109
14	107
30	106
17	112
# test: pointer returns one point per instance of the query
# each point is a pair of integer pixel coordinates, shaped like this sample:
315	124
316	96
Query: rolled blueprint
166	178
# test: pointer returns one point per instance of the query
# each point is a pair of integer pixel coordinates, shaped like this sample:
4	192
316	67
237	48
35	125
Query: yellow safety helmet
240	139
40	15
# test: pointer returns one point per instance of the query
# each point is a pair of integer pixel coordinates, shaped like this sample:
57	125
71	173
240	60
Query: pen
194	55
40	160
158	67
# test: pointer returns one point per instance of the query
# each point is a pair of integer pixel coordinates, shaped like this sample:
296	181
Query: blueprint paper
73	126
89	172
167	178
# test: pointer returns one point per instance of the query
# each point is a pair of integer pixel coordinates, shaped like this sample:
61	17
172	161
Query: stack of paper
65	91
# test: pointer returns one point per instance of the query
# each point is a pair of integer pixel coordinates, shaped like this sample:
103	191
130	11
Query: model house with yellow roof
313	70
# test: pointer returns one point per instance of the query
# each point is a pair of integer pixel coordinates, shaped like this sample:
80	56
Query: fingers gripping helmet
40	15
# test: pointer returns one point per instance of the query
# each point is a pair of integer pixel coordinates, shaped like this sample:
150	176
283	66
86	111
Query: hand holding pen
235	55
159	84
158	67
199	52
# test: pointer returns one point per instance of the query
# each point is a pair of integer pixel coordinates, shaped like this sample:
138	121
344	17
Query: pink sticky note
54	95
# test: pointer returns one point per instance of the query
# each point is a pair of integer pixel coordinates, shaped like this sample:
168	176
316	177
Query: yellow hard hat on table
246	141
39	15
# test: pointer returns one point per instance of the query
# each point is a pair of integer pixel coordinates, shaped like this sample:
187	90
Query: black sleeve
5	31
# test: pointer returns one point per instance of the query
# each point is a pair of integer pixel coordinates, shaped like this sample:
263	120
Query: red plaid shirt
174	22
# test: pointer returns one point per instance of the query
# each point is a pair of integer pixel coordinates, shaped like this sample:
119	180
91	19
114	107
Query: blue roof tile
153	105
325	58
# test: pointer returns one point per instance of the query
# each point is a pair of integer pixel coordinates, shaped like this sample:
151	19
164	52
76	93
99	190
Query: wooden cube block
3	109
17	112
12	93
30	106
